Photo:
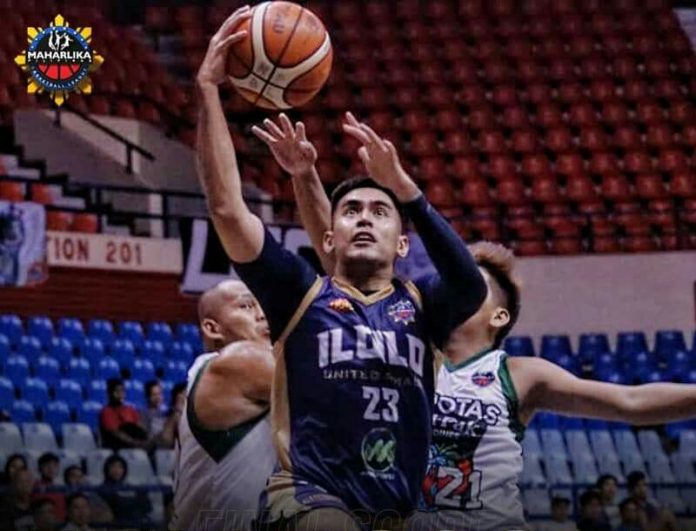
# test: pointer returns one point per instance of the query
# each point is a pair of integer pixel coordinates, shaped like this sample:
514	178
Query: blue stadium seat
4	347
123	351
92	350
17	369
102	330
606	360
180	351
628	343
679	365
553	347
690	377
654	376
7	395
22	411
133	331
187	332
107	368
167	386
35	391
70	392
30	348
71	328
40	327
143	370
88	413
572	423
547	421
61	350
591	346
612	376
79	370
175	371
596	424
11	328
96	391
519	346
135	393
160	331
639	365
569	363
667	342
153	351
57	413
48	370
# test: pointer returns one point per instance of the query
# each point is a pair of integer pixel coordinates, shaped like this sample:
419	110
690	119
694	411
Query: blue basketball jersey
353	394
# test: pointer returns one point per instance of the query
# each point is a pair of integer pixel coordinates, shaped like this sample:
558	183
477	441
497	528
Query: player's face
609	489
242	318
490	314
366	228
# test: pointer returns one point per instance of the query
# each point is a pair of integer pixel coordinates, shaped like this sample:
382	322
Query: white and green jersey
219	475
476	455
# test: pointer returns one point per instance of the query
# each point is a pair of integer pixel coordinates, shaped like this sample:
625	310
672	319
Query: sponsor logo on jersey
341	305
379	450
59	59
483	379
402	312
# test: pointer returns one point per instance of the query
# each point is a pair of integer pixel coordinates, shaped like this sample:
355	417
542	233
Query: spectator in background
44	515
560	516
119	423
14	464
177	403
630	517
591	515
127	504
652	515
153	416
606	485
79	516
15	511
46	488
75	481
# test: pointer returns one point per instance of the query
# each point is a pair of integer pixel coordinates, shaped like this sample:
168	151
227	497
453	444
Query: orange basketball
285	58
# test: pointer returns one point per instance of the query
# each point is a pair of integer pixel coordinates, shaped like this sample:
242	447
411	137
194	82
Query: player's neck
466	346
365	279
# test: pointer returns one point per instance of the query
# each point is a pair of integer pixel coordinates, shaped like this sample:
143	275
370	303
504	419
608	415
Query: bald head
229	312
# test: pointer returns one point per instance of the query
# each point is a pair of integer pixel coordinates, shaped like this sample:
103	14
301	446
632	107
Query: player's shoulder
239	355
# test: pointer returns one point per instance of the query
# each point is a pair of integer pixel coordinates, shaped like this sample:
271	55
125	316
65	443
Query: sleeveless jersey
476	455
219	474
353	394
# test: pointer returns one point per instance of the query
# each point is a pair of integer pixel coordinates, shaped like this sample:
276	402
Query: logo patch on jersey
379	450
483	379
402	312
341	305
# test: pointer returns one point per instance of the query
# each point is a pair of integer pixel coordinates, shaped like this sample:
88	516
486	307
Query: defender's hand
290	147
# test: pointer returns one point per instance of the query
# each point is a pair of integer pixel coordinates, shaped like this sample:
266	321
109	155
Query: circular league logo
379	450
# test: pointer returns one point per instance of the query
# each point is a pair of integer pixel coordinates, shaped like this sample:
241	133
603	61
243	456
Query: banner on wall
206	263
22	244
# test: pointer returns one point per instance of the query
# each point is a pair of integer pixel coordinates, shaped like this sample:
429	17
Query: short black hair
601	480
149	385
625	502
9	460
40	503
589	496
115	458
559	500
69	469
111	386
47	458
74	496
634	478
362	182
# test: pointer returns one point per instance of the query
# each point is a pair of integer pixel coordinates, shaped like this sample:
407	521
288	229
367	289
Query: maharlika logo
483	379
379	450
59	59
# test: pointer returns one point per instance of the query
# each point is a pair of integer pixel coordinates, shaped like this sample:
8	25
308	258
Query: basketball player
224	448
484	400
354	379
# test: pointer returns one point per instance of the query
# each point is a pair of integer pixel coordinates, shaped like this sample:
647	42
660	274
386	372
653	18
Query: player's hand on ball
212	70
381	159
288	144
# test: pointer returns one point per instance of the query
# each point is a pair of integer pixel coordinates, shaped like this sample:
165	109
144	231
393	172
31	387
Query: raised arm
297	156
459	289
240	232
543	386
235	386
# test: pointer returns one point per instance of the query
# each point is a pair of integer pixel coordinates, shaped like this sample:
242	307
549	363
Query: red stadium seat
681	111
148	113
582	114
536	164
440	193
569	163
424	144
549	115
594	67
688	136
125	109
487	229
42	194
502	166
545	189
515	117
581	44
683	184
504	95
571	92
615	186
661	213
600	226
602	90
657	66
374	98
668	89
449	119
472	95
660	136
603	23
530	247
672	160
626	137
615	113
466	167
592	208
625	67
407	97
637	162
561	69
639	244
650	112
538	93
605	245
636	90
566	245
481	118
85	222
457	142
594	138
416	120
491	141
559	139
432	168
11	191
58	220
524	141
98	105
529	70
511	191
603	162
474	192
580	188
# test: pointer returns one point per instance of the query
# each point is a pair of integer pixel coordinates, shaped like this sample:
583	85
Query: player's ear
328	242
211	329
403	246
500	318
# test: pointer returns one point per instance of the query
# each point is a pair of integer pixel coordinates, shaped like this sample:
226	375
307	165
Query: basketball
285	58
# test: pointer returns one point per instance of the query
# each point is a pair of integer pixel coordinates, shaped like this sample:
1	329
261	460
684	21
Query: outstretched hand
288	144
381	159
213	68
